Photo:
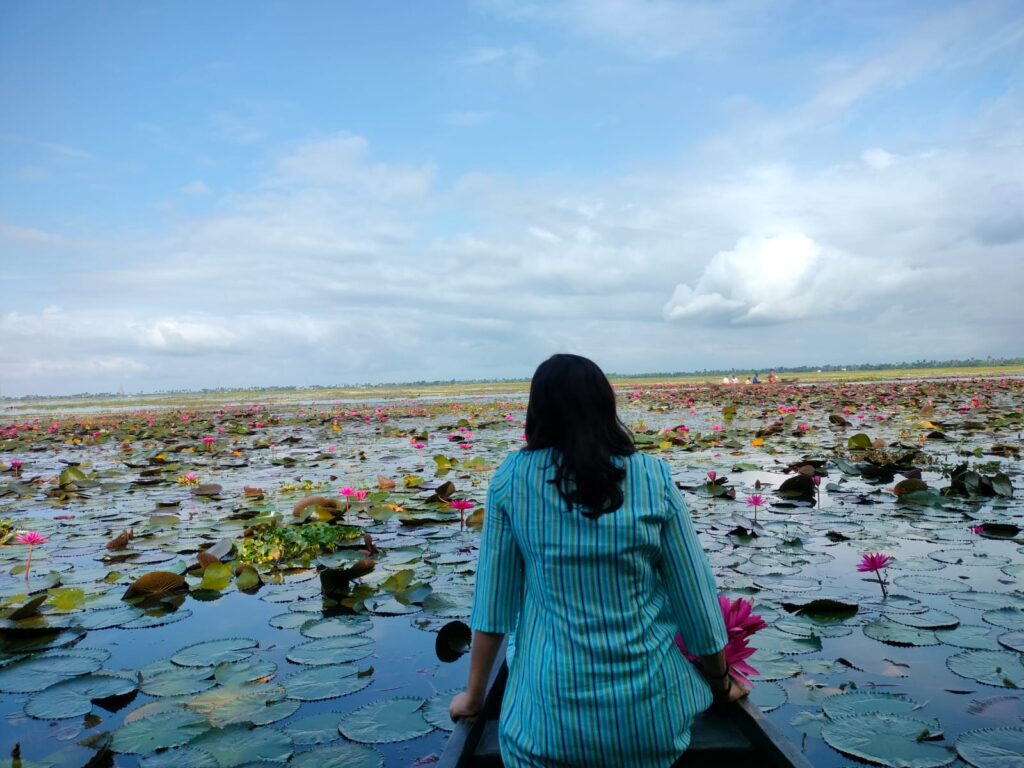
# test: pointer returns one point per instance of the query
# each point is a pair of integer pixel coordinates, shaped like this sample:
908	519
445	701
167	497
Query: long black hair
572	409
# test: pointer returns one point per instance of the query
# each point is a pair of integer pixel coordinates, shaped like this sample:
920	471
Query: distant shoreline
356	394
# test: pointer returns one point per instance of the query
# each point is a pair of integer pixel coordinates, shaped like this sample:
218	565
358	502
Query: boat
737	735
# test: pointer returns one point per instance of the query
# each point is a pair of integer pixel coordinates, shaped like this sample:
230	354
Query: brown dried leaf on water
771	429
476	519
385	483
156	583
120	542
252	493
910	485
331	505
207	489
839	421
206	558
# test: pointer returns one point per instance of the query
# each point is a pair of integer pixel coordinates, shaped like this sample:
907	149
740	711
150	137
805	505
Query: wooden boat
738	736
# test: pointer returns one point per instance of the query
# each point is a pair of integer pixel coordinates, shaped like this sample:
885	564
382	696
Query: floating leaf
387	720
332	650
165	726
212	652
866	703
156	583
888	631
343	755
1002	669
34	673
237	745
889	740
325	682
992	747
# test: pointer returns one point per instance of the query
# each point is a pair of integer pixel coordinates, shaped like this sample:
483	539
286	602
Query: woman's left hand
464	705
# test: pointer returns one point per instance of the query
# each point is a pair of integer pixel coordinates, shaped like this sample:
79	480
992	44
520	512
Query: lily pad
164	727
332	650
888	631
183	757
866	703
384	721
890	740
768	696
34	673
1002	669
162	678
435	710
344	755
74	697
325	682
212	652
992	747
315	729
237	745
1007	618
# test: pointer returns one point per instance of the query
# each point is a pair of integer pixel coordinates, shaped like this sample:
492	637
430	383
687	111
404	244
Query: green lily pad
1014	640
1002	669
74	697
183	757
332	650
778	668
930	619
338	626
164	727
867	703
992	747
968	557
344	755
768	696
772	640
162	678
213	652
387	720
237	672
237	745
315	729
325	682
233	704
109	617
216	577
969	636
890	740
930	585
988	601
34	673
435	711
888	631
1007	618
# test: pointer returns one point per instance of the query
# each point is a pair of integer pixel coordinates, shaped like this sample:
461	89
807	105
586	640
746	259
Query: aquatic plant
31	539
462	505
755	500
295	543
740	624
875	562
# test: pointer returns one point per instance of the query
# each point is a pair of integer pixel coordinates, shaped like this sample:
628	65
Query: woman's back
596	679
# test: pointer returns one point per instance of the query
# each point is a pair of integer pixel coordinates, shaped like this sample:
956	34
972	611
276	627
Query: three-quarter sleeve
499	576
691	587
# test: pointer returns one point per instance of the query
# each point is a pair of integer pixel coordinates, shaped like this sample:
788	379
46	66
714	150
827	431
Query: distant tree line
973	362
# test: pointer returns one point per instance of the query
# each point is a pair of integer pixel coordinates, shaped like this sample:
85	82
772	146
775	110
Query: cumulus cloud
877	158
783	277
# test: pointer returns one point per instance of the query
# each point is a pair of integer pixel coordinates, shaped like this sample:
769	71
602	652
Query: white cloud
784	277
521	60
468	118
197	188
877	158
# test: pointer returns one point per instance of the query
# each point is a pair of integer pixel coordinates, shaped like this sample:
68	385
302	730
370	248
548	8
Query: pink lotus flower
712	475
755	501
347	491
716	428
31	538
361	494
462	505
740	625
874	562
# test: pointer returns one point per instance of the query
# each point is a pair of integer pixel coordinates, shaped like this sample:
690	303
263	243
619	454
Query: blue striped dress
596	679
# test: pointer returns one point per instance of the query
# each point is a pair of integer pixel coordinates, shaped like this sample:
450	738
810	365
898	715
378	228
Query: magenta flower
361	494
755	501
712	475
874	562
740	625
462	505
977	529
347	491
31	538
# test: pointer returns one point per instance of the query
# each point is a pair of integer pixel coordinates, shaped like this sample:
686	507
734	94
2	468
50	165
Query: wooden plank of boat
740	735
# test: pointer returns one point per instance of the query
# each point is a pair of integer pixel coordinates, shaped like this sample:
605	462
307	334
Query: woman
589	554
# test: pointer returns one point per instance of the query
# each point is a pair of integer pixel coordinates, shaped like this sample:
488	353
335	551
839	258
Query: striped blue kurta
596	679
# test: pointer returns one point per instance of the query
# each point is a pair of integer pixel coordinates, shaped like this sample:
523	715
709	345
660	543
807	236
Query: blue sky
249	193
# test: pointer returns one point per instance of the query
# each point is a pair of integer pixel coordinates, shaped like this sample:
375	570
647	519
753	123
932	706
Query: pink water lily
740	624
31	538
712	475
875	562
755	500
347	491
361	494
462	505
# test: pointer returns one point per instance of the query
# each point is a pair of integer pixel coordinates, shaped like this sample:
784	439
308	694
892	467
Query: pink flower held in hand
874	562
740	625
